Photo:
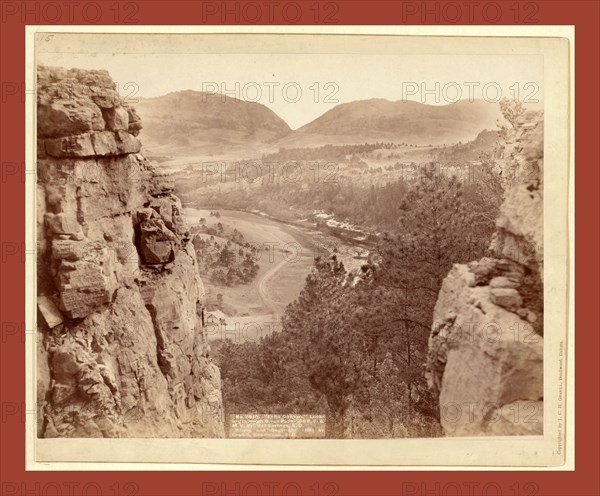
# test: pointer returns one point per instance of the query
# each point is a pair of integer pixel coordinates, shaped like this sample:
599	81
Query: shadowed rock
118	284
486	348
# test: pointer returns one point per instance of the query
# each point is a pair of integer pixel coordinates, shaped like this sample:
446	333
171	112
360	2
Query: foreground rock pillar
486	346
121	352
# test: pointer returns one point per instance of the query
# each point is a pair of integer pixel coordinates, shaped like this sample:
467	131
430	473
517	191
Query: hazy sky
301	87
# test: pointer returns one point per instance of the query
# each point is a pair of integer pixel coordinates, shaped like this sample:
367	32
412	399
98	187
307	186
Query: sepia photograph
299	239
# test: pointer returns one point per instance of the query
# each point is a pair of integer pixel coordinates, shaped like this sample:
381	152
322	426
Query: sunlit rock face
486	346
121	349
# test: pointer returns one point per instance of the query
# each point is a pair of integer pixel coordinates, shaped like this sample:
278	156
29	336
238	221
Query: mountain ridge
201	122
380	119
190	122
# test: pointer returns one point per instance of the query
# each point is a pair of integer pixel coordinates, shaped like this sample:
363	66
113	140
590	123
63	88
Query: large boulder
157	243
64	118
485	359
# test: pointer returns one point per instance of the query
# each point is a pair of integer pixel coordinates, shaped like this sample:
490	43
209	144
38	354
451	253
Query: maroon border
15	15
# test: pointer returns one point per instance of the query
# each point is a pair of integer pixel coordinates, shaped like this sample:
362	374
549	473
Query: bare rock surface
122	351
158	244
486	347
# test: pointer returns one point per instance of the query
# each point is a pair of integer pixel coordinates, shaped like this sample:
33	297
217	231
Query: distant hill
383	120
192	123
471	150
196	123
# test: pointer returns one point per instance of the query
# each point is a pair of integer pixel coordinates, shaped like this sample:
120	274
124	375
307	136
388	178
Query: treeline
354	348
373	206
376	207
484	143
226	258
324	153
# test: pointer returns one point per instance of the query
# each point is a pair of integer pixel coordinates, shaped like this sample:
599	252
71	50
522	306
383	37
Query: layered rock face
121	350
486	346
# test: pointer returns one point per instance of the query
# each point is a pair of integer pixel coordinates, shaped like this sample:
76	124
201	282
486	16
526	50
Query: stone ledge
101	143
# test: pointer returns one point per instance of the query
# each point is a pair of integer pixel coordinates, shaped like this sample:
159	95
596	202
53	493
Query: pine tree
433	233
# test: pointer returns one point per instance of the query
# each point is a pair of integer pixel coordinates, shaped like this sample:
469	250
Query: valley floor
285	259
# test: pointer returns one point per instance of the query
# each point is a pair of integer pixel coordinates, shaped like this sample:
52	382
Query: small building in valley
216	317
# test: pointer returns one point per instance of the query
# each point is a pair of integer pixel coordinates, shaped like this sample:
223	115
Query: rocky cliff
486	346
122	351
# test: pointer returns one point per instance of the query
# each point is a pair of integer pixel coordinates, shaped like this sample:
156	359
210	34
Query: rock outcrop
122	351
486	346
